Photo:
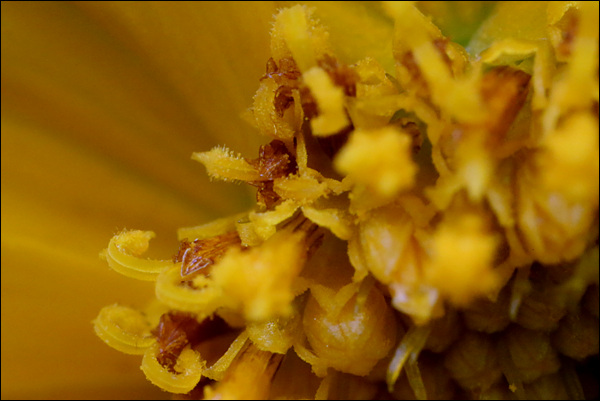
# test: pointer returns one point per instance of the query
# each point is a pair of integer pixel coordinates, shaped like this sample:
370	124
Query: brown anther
272	68
309	104
415	133
175	330
283	99
409	62
504	90
172	335
411	124
202	253
571	22
286	75
274	161
341	74
266	195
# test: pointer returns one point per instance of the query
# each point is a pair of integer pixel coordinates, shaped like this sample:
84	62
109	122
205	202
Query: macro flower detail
423	230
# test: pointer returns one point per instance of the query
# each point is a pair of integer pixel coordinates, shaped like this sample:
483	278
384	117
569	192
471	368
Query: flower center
427	233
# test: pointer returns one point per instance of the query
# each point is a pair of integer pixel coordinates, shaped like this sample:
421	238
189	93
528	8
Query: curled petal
188	371
217	371
123	254
205	298
125	329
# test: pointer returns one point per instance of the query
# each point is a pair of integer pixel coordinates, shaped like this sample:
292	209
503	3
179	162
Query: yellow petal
99	118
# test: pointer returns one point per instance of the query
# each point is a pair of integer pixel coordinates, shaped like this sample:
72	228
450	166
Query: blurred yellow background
103	104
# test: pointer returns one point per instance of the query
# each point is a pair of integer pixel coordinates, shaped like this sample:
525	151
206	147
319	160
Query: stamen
202	253
427	229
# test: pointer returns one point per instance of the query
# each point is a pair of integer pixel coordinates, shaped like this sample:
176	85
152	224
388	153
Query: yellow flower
414	223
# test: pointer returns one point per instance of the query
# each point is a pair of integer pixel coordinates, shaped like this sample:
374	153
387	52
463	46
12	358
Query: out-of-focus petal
458	20
502	24
347	23
99	121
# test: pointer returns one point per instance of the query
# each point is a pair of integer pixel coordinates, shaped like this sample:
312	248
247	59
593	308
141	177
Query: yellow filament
123	254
